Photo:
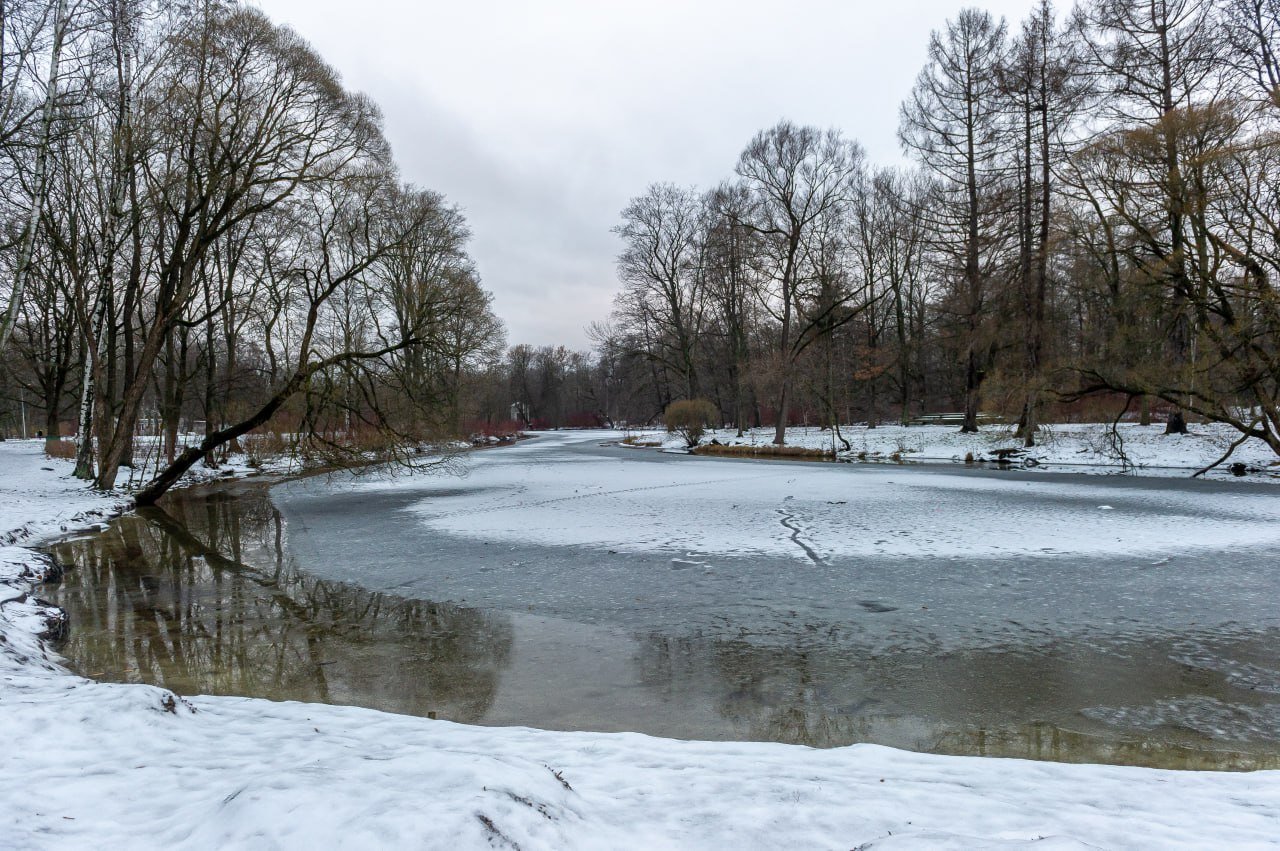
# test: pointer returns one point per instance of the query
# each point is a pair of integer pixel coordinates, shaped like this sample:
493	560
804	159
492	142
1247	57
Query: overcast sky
541	118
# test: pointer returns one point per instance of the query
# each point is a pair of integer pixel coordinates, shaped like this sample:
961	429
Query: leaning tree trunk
191	455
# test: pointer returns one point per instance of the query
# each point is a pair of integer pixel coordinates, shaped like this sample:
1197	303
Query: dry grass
632	440
767	450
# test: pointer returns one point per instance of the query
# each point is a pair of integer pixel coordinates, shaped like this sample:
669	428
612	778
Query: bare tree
797	176
1156	58
1040	81
661	271
952	123
254	117
729	261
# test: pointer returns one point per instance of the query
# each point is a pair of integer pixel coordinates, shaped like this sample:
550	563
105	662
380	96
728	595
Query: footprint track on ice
788	520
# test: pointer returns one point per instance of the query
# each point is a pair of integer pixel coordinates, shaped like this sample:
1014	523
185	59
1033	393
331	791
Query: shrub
260	447
689	418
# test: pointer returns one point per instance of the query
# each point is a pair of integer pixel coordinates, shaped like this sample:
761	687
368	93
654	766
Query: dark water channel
207	597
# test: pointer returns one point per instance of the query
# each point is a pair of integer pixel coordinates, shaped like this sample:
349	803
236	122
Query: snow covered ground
107	766
39	499
1079	447
85	763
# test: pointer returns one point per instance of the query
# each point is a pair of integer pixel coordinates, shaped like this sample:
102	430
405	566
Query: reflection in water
206	599
1029	702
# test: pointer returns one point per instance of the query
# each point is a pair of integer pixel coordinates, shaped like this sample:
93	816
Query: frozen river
569	582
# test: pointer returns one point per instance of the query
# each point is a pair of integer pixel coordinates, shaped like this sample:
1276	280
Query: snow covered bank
108	766
1080	447
134	766
40	499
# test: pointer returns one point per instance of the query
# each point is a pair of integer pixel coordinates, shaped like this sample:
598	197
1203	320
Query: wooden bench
955	419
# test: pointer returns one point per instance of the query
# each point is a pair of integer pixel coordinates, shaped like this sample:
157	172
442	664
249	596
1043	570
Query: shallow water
222	593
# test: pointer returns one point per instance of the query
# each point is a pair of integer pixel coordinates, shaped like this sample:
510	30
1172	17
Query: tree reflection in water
987	702
203	598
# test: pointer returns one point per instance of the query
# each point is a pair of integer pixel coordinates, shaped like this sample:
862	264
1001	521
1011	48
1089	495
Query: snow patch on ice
590	498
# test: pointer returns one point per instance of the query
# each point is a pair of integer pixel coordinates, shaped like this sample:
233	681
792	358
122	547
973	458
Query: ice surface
563	491
564	527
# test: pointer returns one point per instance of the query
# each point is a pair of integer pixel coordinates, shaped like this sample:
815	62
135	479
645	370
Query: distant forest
202	231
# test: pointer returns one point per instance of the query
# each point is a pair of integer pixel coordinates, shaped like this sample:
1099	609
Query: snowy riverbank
1075	447
128	766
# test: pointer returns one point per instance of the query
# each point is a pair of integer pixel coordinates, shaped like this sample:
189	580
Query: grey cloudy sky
541	119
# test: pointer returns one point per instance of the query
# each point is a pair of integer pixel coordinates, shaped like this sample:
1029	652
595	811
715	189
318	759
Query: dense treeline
200	228
1094	213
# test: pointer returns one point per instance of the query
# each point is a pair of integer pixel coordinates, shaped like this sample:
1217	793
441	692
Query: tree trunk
780	426
170	409
971	379
1029	424
52	428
